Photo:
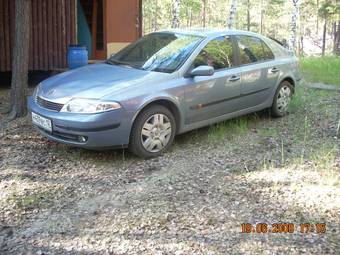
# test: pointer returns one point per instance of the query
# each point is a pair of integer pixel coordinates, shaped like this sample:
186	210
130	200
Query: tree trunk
190	23
301	53
20	58
261	17
295	14
204	13
248	15
232	14
188	10
338	40
336	50
334	32
175	19
324	38
301	42
155	17
317	19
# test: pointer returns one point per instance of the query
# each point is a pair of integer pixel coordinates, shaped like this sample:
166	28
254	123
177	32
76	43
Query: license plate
42	122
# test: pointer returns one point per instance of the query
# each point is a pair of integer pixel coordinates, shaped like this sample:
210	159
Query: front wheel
282	98
153	132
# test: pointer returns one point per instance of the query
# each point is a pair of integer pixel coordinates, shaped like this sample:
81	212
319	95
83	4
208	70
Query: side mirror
202	71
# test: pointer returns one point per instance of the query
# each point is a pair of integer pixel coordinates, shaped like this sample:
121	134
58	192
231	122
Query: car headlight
36	91
81	105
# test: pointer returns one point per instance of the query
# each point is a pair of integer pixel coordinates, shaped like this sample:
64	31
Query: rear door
259	74
208	97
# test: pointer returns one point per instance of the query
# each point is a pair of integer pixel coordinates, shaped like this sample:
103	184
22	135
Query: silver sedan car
164	84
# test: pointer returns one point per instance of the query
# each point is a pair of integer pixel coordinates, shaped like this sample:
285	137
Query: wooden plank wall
53	28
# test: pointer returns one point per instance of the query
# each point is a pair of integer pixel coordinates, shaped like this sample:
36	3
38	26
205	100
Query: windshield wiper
114	62
121	63
161	70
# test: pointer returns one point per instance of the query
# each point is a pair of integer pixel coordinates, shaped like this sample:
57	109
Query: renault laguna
164	84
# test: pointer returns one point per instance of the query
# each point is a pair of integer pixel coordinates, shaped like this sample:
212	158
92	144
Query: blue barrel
77	56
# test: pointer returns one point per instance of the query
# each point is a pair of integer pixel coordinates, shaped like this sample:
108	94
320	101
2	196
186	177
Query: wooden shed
104	26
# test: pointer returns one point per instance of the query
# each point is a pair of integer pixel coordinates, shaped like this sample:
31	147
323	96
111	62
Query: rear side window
253	49
268	54
218	53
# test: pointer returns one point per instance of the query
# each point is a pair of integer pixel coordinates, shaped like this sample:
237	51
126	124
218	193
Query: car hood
94	81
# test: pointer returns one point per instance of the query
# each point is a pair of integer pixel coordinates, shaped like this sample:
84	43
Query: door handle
274	70
234	78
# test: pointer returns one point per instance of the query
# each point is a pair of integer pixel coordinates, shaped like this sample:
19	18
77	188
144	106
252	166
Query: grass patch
321	69
268	132
304	97
24	197
324	161
32	201
231	128
298	99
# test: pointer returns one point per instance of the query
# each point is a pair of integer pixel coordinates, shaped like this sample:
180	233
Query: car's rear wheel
282	98
153	132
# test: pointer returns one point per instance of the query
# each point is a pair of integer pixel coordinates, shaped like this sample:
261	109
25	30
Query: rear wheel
282	98
153	132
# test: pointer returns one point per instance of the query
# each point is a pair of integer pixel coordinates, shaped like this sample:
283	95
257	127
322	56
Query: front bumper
102	130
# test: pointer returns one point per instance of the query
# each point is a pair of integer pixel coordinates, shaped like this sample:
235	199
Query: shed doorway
91	27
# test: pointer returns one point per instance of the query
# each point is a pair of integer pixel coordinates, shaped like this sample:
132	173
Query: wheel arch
170	104
289	79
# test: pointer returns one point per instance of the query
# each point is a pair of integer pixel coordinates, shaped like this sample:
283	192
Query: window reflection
218	53
253	49
162	52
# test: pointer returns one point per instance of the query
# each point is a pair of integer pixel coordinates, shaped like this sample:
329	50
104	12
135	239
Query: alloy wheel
283	98
156	132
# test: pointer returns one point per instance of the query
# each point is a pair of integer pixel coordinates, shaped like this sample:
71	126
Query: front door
98	29
91	27
208	97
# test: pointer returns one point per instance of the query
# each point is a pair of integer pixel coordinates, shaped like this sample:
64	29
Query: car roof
210	32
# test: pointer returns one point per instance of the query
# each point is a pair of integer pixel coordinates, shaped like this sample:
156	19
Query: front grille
65	136
49	105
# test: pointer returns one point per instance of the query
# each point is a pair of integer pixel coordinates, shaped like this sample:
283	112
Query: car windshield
160	52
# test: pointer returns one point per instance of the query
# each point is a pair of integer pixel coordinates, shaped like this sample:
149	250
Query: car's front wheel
282	98
153	132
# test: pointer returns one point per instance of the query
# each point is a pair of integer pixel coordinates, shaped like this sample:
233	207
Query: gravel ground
56	199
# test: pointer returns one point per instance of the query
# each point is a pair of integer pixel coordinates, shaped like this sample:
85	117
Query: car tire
152	132
282	99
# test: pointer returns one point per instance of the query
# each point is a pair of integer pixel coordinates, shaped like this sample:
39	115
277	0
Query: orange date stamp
303	228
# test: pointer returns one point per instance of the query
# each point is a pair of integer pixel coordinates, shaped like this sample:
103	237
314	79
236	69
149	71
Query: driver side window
218	53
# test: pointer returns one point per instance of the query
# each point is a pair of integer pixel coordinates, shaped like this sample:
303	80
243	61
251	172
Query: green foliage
328	8
325	69
194	5
269	17
276	2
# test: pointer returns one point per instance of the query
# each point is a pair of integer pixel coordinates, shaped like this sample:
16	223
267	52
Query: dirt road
56	199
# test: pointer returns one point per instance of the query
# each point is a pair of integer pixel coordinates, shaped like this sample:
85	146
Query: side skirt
221	118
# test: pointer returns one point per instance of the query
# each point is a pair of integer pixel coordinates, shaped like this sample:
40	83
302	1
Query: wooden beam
94	28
